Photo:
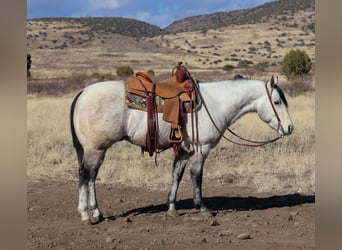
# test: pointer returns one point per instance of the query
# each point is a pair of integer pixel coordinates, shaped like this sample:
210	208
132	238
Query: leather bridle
269	95
254	143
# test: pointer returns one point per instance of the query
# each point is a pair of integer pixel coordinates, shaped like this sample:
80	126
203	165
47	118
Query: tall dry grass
50	151
285	166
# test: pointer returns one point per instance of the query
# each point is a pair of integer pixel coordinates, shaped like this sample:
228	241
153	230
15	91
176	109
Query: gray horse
100	118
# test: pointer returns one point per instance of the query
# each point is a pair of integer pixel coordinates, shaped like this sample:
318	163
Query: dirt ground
135	218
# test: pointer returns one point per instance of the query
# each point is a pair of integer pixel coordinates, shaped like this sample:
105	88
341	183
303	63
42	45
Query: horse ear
272	82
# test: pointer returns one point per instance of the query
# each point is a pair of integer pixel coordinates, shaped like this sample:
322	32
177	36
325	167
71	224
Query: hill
135	28
107	25
63	47
263	13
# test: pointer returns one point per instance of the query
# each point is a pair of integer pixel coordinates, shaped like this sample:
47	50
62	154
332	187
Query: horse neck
236	98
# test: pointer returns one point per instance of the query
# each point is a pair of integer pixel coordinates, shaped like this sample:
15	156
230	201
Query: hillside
131	27
263	13
106	25
63	47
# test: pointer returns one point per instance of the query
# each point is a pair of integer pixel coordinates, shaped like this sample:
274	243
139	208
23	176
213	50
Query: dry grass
50	152
285	166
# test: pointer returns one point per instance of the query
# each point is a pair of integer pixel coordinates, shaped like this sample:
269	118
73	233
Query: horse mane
280	91
239	77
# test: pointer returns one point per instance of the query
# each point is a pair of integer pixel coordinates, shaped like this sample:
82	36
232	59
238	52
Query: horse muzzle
285	130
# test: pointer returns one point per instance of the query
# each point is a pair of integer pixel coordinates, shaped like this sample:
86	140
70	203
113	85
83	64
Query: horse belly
137	129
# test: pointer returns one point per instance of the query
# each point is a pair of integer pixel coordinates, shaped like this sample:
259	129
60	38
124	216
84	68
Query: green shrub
28	65
244	63
150	72
262	66
103	77
124	71
228	67
296	63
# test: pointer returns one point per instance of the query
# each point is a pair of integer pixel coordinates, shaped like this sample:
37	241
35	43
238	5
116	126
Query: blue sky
157	12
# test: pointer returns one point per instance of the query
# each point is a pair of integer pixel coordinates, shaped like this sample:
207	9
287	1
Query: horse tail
76	142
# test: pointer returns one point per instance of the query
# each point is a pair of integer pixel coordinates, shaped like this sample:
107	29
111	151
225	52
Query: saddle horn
180	73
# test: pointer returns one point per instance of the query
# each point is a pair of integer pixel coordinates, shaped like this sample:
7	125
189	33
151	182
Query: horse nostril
290	128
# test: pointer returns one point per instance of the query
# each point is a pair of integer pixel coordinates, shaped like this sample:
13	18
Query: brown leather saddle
173	97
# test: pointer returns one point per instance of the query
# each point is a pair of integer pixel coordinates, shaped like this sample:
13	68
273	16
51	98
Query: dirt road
135	218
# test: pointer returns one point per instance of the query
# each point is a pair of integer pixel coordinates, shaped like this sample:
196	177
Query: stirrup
175	135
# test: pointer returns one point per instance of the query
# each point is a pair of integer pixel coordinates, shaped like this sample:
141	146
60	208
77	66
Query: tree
150	72
296	63
228	67
28	64
124	71
244	63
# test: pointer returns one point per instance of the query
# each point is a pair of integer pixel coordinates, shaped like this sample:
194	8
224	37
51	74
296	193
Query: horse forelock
281	94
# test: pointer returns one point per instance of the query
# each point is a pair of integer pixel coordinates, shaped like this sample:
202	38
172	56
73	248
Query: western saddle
173	97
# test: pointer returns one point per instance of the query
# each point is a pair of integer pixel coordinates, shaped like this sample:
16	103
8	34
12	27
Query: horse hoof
173	213
97	219
85	222
208	215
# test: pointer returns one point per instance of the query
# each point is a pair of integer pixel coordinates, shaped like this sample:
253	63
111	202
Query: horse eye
276	102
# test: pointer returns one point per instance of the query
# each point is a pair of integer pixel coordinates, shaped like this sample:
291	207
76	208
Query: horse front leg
179	164
196	170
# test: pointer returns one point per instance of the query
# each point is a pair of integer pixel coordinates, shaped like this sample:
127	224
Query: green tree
296	63
150	72
28	64
228	67
244	63
124	71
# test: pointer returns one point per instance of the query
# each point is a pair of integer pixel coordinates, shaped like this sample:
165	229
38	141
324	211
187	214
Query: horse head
273	108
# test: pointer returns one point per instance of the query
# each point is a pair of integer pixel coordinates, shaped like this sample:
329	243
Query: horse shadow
221	203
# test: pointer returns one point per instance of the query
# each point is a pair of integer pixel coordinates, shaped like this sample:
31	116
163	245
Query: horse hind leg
88	171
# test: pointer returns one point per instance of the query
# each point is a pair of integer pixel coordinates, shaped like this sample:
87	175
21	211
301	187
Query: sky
157	12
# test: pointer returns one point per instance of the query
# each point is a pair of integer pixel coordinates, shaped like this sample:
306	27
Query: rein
256	143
